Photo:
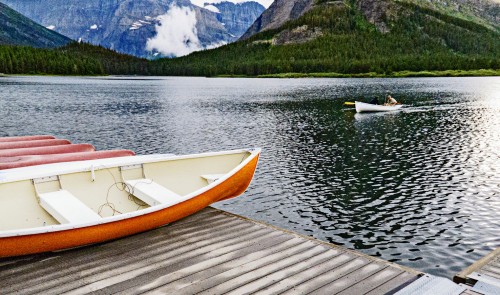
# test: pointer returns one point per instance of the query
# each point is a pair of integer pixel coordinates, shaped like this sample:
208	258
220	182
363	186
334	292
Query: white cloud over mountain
201	3
176	33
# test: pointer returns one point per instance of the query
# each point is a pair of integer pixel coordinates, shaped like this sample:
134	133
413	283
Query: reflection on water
420	186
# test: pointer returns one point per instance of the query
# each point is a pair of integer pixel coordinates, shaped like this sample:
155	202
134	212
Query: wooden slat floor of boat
211	252
488	265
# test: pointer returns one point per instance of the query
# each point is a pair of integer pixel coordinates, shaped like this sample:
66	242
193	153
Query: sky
200	3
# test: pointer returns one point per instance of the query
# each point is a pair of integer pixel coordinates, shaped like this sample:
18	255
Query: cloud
201	3
176	35
215	45
212	8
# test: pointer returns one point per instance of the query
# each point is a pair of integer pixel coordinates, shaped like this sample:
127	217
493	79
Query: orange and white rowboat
64	205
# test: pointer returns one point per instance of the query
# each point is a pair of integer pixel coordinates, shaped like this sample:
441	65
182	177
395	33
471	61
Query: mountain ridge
127	26
354	37
485	12
362	38
278	14
19	30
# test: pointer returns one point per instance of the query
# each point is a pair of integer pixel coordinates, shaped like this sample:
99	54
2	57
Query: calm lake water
420	187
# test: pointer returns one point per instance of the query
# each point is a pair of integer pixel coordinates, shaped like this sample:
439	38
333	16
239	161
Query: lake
419	187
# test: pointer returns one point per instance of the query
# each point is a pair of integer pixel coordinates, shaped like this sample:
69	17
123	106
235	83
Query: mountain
278	14
485	12
143	28
16	29
237	18
320	38
357	37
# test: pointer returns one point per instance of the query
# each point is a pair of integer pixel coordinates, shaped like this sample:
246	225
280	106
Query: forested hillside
354	37
72	59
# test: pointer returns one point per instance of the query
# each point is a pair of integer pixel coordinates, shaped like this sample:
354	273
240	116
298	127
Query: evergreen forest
331	38
420	39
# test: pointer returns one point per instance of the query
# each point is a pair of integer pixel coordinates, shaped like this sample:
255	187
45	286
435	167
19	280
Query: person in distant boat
374	101
390	101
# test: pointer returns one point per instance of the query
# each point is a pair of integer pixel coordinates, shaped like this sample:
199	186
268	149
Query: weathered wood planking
212	252
488	265
468	291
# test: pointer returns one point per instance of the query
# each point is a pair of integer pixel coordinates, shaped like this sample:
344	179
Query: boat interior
95	193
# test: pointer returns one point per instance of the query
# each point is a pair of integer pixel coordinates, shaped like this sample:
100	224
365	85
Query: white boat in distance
362	107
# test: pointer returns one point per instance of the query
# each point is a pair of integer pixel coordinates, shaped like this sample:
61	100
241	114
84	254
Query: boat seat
212	177
66	208
152	193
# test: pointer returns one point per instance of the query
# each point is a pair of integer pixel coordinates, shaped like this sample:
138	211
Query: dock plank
210	252
392	284
105	276
487	272
316	283
373	281
99	264
277	276
351	279
492	259
241	281
299	278
492	269
25	268
197	272
173	261
249	268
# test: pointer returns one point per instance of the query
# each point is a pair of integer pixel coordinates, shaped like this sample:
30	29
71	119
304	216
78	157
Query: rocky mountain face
128	25
277	14
16	29
485	12
237	18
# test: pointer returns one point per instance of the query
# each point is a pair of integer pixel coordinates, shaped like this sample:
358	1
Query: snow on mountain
139	27
202	3
17	29
212	8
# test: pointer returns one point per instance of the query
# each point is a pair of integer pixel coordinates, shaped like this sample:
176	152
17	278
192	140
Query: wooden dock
212	252
482	277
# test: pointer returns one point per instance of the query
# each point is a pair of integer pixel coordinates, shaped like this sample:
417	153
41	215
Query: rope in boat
123	187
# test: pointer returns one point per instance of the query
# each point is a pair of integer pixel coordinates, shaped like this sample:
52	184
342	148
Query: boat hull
362	107
33	160
32	143
26	138
231	187
47	150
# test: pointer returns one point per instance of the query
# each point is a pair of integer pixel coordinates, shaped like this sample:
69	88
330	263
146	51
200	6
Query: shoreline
400	74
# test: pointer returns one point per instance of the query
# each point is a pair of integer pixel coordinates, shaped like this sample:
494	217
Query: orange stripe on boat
37	243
